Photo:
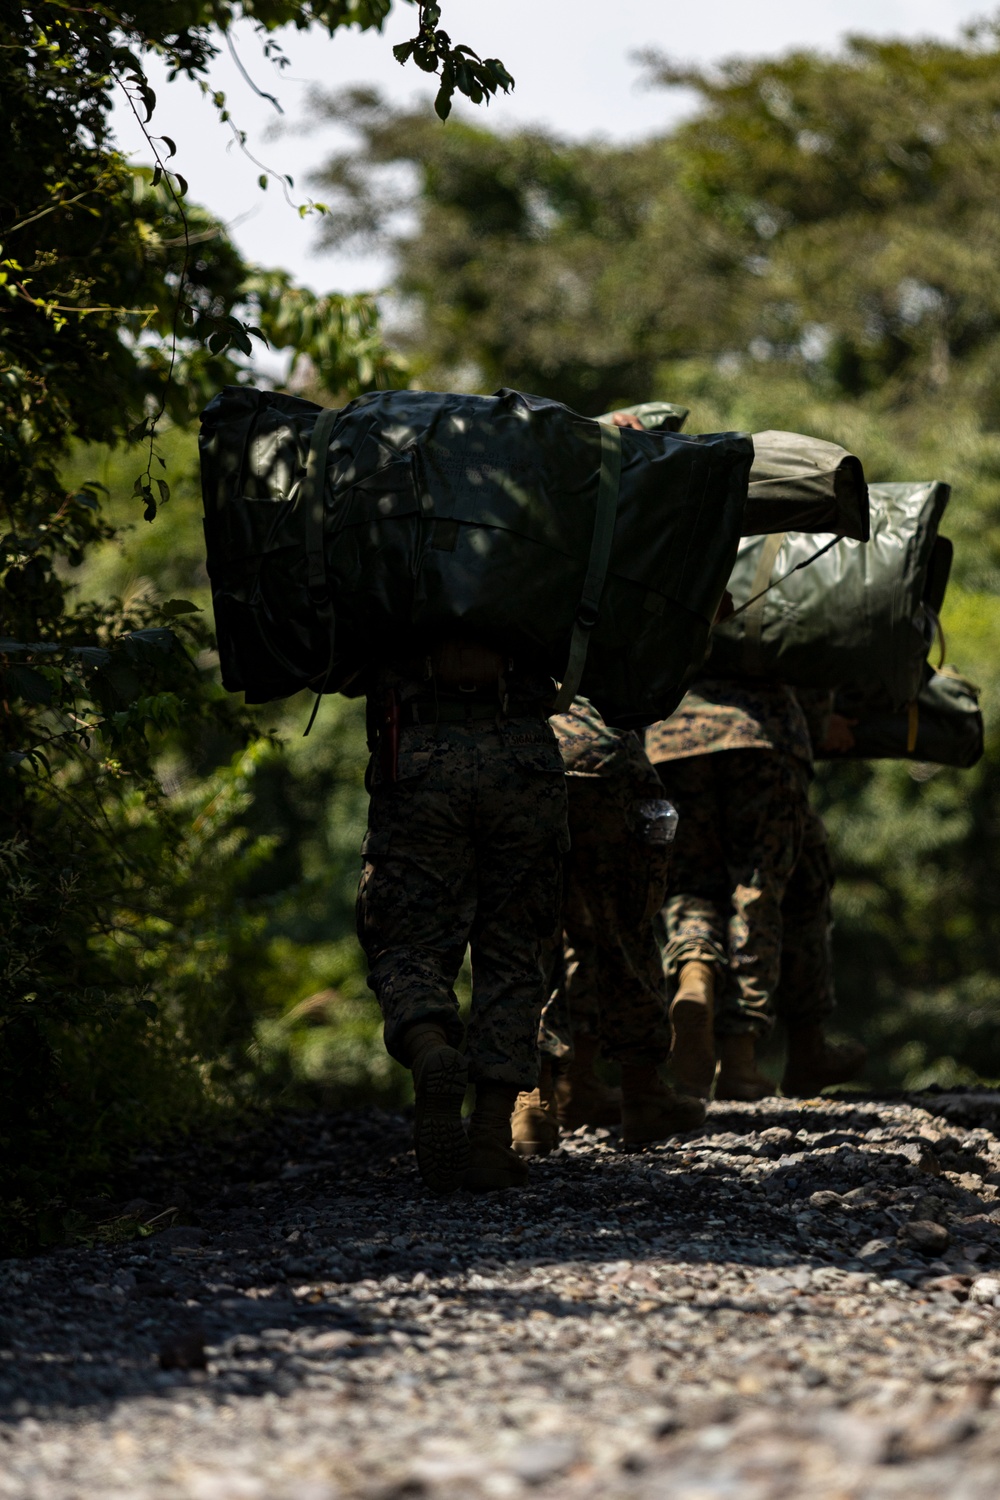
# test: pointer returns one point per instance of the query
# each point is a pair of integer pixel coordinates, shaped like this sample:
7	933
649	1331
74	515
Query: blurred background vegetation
814	249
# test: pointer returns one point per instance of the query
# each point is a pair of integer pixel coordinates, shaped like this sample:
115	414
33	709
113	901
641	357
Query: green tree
125	306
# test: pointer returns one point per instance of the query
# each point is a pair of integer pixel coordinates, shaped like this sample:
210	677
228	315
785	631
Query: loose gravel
797	1299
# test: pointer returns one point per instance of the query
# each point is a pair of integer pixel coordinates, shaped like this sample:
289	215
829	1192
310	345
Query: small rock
926	1236
920	1156
186	1351
874	1248
180	1237
985	1289
536	1462
957	1285
152	1289
825	1199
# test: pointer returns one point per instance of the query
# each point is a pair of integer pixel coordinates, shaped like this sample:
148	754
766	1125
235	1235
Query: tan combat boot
692	1050
440	1079
493	1165
813	1063
651	1110
581	1098
738	1076
534	1123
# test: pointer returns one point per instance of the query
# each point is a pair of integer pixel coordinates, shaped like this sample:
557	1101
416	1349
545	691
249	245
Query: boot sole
439	1138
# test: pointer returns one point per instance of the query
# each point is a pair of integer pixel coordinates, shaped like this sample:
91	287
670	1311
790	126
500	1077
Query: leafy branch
459	66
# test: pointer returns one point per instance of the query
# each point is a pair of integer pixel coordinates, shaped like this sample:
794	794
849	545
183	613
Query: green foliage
136	959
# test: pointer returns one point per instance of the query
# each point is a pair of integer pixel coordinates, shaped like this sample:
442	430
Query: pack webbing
605	511
312	497
754	627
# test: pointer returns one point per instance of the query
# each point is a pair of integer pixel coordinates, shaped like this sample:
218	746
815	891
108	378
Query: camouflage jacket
728	714
588	746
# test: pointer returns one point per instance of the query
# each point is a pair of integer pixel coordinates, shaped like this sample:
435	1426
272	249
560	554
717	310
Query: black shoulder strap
605	513
312	496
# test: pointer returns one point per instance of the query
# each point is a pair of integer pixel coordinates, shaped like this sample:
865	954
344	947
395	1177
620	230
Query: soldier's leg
805	995
581	1097
583	957
622	880
698	883
695	919
519	885
599	967
415	908
765	797
520	843
622	872
416	904
804	999
765	806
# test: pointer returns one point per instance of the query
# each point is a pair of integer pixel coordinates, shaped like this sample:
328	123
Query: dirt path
763	1309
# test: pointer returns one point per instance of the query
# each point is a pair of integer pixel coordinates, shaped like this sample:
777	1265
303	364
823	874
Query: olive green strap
753	630
605	512
312	497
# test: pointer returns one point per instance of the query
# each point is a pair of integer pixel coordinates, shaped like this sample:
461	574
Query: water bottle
657	821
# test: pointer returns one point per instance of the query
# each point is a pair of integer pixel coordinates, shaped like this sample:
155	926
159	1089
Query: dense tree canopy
833	212
124	308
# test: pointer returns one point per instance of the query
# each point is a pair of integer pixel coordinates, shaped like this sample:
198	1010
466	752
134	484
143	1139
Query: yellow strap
753	630
912	725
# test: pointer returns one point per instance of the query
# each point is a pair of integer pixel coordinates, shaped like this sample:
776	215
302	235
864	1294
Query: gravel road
799	1299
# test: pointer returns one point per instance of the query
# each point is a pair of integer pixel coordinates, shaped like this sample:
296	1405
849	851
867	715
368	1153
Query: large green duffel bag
863	615
338	539
797	483
943	725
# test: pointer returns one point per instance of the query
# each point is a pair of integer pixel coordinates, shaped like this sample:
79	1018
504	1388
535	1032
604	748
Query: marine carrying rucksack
338	539
852	614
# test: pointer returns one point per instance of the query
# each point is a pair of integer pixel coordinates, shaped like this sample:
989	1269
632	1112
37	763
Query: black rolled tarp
434	513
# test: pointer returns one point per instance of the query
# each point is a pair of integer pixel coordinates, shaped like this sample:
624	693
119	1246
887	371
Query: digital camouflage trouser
742	832
466	847
805	995
609	983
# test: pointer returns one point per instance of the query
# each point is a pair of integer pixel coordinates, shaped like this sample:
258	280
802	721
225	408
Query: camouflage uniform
735	760
805	994
611	984
465	847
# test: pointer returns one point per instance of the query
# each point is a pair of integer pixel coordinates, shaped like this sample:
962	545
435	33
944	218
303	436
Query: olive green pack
826	612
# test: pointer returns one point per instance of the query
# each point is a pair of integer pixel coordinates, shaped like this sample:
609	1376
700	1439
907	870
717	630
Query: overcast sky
572	60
